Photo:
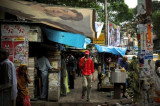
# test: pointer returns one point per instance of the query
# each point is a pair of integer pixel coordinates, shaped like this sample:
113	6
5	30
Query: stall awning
75	20
67	38
114	50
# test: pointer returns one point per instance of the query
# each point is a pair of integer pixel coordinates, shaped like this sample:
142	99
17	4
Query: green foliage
156	17
155	6
119	12
133	80
156	22
72	3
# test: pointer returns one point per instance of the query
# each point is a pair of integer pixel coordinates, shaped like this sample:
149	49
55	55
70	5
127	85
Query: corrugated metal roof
75	20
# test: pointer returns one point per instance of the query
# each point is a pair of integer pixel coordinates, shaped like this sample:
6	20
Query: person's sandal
82	97
124	96
88	100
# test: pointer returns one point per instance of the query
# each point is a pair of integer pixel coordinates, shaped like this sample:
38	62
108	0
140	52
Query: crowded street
79	52
73	98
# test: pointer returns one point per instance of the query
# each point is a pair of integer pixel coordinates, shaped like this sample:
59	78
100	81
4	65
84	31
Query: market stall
51	51
110	57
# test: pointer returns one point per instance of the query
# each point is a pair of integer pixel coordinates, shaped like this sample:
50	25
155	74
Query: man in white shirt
43	65
8	75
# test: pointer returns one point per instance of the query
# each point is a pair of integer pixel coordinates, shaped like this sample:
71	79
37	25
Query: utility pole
145	52
106	25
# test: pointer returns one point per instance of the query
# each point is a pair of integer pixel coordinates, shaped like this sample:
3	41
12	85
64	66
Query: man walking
86	64
8	75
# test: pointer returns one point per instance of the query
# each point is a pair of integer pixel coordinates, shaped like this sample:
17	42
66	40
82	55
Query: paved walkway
74	97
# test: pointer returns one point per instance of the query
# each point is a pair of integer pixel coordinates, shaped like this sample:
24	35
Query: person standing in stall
87	66
43	65
23	79
63	76
8	75
71	70
122	62
156	80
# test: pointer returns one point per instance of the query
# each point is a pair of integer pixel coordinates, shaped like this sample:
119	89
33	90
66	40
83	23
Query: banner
14	30
113	34
98	27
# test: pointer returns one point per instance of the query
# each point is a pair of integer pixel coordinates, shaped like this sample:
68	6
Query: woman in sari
157	82
23	98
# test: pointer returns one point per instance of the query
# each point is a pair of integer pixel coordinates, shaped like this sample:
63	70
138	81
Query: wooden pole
145	52
106	25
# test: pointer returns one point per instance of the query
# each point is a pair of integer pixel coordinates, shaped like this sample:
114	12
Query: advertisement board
113	34
14	39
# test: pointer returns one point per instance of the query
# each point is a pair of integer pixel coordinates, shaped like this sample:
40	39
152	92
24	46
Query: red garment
26	101
88	67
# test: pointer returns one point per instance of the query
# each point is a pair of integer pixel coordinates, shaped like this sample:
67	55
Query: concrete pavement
74	97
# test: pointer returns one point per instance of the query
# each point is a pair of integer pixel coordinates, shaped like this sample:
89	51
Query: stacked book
32	76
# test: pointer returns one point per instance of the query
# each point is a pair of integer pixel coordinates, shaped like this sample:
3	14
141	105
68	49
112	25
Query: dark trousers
124	88
71	80
79	72
70	77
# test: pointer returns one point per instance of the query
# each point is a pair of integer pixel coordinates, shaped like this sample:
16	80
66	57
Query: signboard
100	40
145	44
33	36
113	34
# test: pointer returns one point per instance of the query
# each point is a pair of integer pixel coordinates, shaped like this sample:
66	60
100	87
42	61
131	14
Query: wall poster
15	39
113	34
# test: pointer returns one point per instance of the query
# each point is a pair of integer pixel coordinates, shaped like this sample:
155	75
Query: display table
118	78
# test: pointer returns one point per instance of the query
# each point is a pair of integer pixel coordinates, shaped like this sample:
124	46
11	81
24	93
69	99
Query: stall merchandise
32	77
109	64
54	76
54	86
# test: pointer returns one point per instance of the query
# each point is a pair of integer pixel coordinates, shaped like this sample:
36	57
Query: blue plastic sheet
67	38
87	41
114	50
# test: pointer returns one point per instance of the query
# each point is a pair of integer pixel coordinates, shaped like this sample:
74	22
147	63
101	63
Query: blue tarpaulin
87	41
67	38
114	50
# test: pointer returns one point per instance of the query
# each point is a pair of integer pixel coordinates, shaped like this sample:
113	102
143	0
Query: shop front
24	37
24	43
111	76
